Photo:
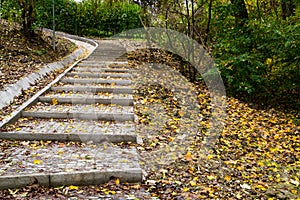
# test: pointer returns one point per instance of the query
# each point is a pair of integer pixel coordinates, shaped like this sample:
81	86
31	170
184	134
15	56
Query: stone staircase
71	135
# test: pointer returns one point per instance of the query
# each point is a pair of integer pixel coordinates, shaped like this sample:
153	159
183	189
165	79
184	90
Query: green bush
262	58
85	18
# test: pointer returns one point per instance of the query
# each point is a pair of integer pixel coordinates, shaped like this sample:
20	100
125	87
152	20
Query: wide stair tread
88	98
96	81
67	164
98	75
100	70
71	130
93	88
86	112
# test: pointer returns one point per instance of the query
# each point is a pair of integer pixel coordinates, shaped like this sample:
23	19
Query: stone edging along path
13	90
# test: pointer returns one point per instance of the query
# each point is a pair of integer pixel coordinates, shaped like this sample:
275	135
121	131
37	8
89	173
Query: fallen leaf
117	181
37	162
188	156
54	101
73	187
193	183
227	178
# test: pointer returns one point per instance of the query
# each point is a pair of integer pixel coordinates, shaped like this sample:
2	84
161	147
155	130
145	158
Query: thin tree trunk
240	12
188	34
27	17
258	8
288	9
274	7
208	21
193	69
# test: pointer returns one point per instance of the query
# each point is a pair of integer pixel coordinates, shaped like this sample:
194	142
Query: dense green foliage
89	17
10	10
260	60
108	18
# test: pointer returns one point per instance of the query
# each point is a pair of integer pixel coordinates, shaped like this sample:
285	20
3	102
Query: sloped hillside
20	56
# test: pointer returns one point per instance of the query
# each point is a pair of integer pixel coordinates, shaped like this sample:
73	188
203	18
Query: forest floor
20	56
256	156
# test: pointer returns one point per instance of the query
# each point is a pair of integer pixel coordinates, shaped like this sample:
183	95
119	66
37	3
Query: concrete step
96	81
90	88
56	164
93	103
98	75
83	98
70	130
109	54
80	111
90	62
101	70
108	58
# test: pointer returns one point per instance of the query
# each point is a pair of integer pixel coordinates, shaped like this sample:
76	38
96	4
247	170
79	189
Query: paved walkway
93	104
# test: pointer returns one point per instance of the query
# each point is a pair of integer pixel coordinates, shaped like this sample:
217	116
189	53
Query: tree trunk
208	21
240	12
274	7
188	33
27	17
258	9
287	8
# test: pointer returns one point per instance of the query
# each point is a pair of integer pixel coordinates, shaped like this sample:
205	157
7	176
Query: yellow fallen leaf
118	181
73	187
18	129
60	152
227	178
294	191
54	101
261	187
181	113
12	192
191	169
111	192
37	162
185	189
211	177
261	164
174	127
188	156
153	144
193	183
277	178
